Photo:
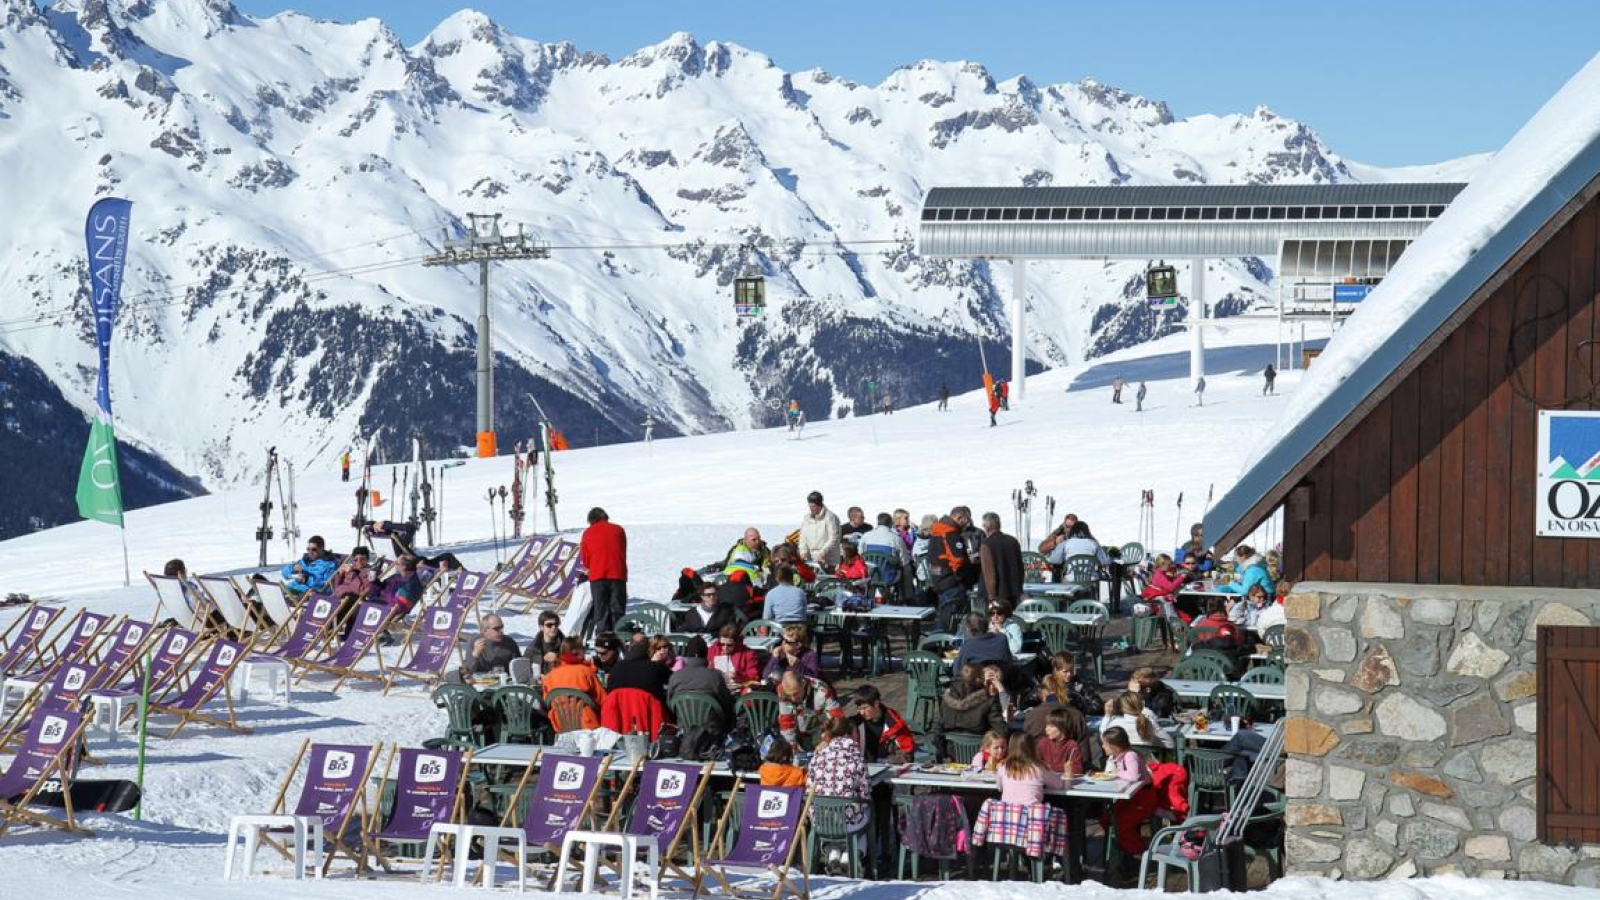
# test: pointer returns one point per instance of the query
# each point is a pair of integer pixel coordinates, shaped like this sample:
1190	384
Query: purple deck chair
212	678
465	592
30	630
433	646
333	797
427	792
566	790
771	832
122	650
86	633
369	620
543	579
309	629
166	663
46	753
525	559
664	808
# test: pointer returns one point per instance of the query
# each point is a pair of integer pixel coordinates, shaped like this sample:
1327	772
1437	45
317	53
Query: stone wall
1411	731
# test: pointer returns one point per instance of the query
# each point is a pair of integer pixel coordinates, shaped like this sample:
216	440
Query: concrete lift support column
1019	330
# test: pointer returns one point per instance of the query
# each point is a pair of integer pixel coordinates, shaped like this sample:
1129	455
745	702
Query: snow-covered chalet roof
1542	169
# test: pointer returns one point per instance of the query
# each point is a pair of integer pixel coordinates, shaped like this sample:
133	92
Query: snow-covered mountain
268	157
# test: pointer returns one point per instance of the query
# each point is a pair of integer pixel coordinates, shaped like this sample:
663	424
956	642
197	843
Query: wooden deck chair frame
233	598
670	844
185	661
525	558
54	647
14	723
186	717
509	820
549	572
17	813
319	641
372	846
785	879
278	606
345	673
332	843
6	637
393	673
184	613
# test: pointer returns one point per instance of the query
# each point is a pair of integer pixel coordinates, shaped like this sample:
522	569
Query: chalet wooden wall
1436	484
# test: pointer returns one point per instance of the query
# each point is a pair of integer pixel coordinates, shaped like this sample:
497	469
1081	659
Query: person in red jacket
883	734
604	554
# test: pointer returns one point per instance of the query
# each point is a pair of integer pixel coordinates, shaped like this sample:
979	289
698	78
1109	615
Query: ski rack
1255	784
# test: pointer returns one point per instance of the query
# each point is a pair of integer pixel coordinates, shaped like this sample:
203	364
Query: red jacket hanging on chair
632	711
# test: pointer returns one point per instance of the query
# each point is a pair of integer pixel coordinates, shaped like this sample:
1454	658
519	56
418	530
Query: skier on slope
1271	375
793	414
1138	398
344	466
1116	389
1200	392
944	397
994	405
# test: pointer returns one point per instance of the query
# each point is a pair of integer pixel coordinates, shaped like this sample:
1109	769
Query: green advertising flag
99	489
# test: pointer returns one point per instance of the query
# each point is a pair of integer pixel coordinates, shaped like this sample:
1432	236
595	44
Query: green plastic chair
461	704
1268	674
1058	635
1199	668
877	565
1231	700
830	818
1181	637
1144	632
902	808
1273	637
1082	570
761	628
692	709
938	642
565	708
1133	553
760	711
658	613
831	626
1164	852
1034	567
628	625
925	675
1089	607
1208	777
961	747
520	720
1041	605
1216	656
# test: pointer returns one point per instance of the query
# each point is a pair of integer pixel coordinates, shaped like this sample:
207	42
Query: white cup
586	744
1233	723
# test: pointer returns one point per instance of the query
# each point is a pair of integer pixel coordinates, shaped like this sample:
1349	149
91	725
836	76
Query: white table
1201	690
1219	733
1080	619
1058	589
1080	788
896	613
522	754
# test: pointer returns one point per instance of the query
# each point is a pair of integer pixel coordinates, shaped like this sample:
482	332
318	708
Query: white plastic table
1201	690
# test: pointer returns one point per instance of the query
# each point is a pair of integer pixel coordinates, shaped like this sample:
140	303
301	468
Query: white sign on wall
1568	491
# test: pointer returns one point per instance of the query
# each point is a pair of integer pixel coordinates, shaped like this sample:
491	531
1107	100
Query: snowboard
101	795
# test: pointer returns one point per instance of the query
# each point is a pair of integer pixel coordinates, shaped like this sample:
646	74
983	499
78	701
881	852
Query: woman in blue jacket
1250	569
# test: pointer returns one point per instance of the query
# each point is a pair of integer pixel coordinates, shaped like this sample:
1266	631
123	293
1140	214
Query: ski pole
494	540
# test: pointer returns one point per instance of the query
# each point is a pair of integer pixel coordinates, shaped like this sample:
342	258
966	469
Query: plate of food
1101	776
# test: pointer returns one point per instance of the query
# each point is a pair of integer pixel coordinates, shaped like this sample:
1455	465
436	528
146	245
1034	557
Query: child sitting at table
779	770
1023	777
1121	759
1056	748
991	754
852	567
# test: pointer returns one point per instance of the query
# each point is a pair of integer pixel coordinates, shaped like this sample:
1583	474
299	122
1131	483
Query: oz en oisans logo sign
1568	502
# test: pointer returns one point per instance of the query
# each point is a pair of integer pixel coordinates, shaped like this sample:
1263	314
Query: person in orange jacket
578	673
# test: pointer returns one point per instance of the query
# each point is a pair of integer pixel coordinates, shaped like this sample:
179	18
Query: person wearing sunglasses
544	649
708	616
493	650
310	573
793	654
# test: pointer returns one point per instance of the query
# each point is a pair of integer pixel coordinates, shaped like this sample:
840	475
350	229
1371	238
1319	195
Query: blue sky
1396	82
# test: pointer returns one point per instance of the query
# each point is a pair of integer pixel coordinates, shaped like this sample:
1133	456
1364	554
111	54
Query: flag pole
144	731
122	523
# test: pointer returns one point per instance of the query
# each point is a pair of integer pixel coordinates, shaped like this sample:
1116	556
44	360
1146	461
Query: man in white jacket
819	534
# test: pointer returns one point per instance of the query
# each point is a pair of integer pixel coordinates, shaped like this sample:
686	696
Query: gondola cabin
1161	286
749	296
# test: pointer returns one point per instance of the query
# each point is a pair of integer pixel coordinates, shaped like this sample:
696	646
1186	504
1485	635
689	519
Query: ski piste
264	533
